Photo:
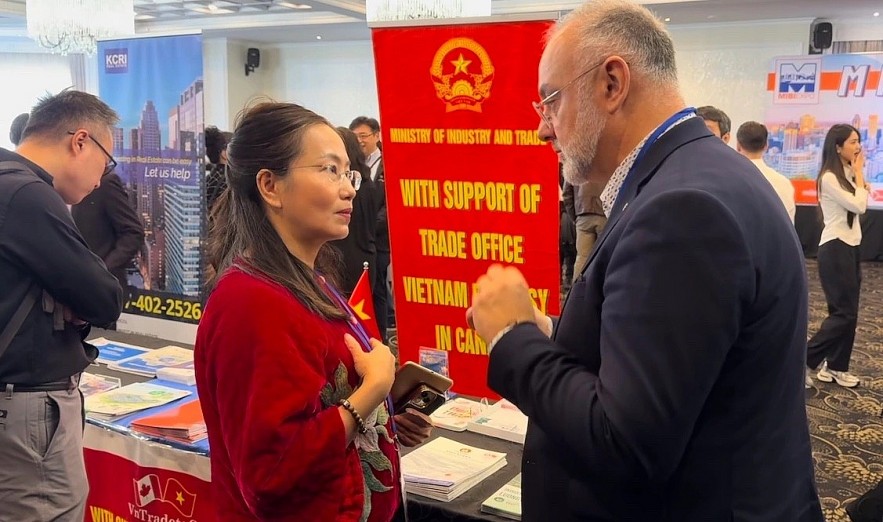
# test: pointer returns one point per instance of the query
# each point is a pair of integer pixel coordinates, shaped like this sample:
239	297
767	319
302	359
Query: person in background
717	121
110	226
367	130
843	196
566	243
583	205
56	287
216	170
17	127
358	246
293	392
670	389
752	142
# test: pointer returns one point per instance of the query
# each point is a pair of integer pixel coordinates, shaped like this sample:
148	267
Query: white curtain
29	76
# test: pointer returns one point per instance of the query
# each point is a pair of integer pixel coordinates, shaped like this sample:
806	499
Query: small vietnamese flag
362	302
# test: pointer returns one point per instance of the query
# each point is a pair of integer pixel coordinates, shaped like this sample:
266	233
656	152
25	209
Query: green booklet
506	502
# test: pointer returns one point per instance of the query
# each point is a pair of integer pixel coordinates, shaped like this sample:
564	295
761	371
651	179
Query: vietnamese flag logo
362	304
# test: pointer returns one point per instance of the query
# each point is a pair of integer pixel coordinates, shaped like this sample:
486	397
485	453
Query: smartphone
418	388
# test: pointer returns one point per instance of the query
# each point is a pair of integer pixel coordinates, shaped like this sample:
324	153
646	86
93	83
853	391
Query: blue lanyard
360	333
659	131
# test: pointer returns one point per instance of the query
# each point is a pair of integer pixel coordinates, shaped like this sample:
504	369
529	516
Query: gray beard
577	156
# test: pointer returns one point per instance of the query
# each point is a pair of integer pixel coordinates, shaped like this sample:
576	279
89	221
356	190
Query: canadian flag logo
147	489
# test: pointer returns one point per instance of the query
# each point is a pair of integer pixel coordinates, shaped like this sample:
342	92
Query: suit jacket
672	389
359	246
382	235
110	225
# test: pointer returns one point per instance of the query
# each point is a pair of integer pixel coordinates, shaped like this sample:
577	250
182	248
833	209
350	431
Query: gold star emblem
460	65
359	312
180	498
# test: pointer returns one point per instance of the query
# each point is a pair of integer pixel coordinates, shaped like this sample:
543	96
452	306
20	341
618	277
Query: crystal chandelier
390	10
73	26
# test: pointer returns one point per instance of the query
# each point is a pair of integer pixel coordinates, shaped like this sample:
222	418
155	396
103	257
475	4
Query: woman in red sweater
293	392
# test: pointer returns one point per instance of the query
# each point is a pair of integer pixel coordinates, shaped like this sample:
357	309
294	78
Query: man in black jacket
110	226
50	279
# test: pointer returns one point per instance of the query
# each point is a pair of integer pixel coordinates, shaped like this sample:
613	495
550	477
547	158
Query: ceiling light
213	8
668	19
292	5
876	13
318	37
66	27
388	10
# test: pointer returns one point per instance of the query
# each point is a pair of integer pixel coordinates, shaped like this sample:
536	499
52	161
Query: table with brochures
193	459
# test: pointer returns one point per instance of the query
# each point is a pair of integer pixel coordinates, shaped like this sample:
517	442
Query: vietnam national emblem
462	73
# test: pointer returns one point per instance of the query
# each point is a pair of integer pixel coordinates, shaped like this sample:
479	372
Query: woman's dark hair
268	136
354	152
215	143
831	162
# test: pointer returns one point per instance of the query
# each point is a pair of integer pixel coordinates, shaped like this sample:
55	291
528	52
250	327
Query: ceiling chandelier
74	26
391	10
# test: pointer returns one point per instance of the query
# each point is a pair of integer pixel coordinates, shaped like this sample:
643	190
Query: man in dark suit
110	225
671	388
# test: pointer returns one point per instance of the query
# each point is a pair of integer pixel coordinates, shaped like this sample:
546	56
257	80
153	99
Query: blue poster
156	86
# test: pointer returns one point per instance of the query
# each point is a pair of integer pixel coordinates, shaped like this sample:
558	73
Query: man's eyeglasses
334	174
365	135
111	163
540	106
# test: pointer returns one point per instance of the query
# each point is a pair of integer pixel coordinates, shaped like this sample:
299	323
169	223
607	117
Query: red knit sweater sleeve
263	365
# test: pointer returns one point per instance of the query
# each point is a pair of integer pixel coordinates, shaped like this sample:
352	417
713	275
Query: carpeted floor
846	424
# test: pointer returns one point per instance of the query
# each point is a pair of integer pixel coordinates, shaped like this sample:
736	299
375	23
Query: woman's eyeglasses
335	174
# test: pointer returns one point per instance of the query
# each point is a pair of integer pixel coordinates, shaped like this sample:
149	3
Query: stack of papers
506	502
146	364
502	420
455	414
90	384
444	469
113	404
111	351
183	423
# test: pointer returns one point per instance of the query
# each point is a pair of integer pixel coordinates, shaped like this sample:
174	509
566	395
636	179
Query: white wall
227	89
726	65
334	79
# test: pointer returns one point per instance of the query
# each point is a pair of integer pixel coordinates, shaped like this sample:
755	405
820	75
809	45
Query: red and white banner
135	480
468	182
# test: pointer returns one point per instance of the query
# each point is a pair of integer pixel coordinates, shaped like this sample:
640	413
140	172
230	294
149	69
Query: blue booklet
111	352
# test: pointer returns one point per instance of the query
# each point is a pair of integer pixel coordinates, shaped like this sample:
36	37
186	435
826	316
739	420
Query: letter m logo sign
798	79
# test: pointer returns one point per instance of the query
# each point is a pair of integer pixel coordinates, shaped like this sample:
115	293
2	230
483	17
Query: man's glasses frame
540	106
111	162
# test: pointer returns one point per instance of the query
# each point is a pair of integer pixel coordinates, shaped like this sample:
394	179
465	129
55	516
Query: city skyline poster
809	94
156	86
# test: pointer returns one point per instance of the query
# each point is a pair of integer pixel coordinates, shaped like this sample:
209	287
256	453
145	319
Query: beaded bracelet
360	424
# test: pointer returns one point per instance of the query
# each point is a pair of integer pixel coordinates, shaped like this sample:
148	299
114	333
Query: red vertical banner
468	181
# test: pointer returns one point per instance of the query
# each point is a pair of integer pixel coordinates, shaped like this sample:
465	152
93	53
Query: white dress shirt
373	161
781	185
835	203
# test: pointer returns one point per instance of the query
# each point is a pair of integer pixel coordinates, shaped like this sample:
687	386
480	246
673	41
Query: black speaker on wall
252	60
822	35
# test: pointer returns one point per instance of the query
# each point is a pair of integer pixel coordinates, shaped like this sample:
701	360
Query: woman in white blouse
843	196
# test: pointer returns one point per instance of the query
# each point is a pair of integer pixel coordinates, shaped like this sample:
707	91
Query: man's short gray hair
619	27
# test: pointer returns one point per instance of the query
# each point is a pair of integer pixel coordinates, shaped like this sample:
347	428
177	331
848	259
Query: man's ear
269	187
77	141
617	78
726	137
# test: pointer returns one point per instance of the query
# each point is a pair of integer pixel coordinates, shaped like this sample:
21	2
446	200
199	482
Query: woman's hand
376	368
412	427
